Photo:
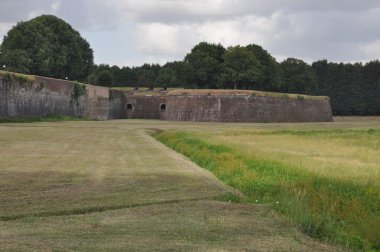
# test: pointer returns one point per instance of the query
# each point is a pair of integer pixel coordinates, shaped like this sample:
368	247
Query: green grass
51	118
109	186
326	181
22	78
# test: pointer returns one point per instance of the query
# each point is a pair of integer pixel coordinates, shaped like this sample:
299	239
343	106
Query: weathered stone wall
39	98
96	102
214	108
229	108
145	107
47	96
116	104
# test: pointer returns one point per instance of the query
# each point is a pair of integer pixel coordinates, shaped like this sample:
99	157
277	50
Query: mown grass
50	118
338	209
108	186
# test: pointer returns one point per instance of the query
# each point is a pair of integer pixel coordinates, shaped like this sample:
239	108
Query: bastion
31	96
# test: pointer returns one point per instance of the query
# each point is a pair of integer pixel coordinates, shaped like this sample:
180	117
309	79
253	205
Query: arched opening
163	106
129	106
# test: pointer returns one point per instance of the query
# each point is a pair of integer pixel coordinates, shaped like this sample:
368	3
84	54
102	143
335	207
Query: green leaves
240	67
47	46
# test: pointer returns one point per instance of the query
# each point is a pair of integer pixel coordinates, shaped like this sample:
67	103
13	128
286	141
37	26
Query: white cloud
371	49
339	30
55	6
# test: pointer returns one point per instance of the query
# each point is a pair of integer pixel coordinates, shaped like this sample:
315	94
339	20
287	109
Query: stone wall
40	96
116	104
96	102
145	107
214	108
229	108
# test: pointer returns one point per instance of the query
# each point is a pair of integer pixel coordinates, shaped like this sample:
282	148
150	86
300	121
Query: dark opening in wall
129	106
163	106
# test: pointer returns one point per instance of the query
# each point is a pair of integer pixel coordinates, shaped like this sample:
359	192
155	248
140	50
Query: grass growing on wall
295	179
51	118
21	78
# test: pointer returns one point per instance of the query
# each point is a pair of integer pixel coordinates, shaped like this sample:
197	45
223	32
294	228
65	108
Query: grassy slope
326	180
61	181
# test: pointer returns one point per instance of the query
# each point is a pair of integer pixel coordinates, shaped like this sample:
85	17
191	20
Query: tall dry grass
326	181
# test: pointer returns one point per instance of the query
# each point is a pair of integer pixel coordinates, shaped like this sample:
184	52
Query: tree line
48	46
354	89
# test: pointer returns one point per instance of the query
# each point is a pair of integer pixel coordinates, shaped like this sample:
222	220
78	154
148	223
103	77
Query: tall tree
298	76
104	78
205	60
270	76
240	68
49	46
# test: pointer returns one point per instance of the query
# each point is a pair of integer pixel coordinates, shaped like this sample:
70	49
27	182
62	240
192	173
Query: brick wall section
204	108
225	108
116	104
47	96
96	102
145	107
38	98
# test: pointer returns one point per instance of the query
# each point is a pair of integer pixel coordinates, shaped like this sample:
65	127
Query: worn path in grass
109	185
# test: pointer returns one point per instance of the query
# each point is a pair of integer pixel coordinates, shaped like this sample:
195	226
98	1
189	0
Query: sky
133	32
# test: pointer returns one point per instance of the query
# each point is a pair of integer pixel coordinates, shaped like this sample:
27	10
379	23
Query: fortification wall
116	104
96	102
214	108
229	108
39	96
28	96
145	107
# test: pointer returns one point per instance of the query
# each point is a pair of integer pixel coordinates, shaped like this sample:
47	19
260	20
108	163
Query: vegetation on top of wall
16	77
252	93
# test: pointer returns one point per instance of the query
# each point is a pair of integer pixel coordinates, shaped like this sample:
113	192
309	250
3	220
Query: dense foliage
354	89
46	46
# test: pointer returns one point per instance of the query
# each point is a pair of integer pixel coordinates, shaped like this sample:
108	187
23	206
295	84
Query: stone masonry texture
45	96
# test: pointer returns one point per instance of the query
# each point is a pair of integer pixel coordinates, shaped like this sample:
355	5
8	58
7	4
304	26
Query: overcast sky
132	32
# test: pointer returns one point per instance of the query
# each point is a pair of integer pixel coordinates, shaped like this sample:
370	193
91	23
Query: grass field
325	178
92	185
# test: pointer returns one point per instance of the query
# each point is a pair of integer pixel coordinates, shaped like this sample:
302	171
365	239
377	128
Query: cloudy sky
131	32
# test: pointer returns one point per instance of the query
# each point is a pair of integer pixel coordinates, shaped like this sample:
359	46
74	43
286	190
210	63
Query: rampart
228	106
29	96
33	96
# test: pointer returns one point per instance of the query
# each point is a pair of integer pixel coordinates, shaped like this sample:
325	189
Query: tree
126	77
165	77
298	76
104	78
49	47
147	75
15	61
270	76
205	60
240	68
